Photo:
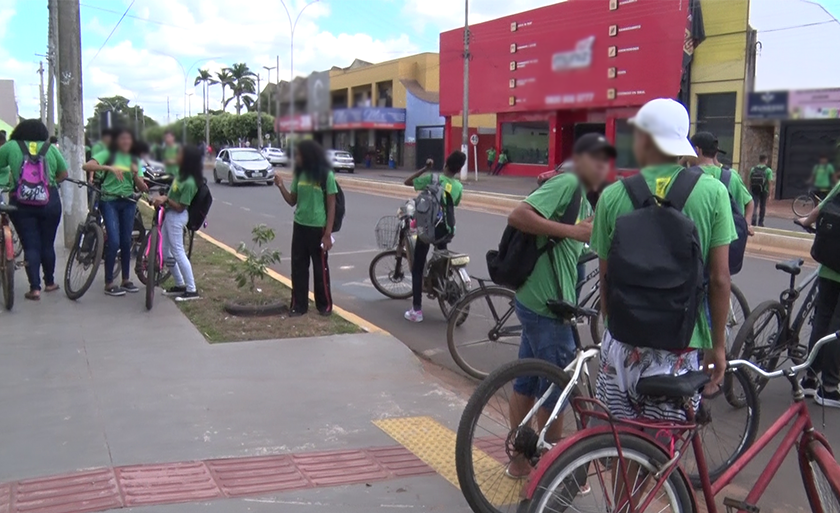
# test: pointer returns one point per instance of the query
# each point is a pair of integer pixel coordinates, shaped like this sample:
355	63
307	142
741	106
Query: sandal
52	288
33	295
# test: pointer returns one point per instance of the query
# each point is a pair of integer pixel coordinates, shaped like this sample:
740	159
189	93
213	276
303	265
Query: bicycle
606	455
804	203
8	254
492	306
151	269
484	453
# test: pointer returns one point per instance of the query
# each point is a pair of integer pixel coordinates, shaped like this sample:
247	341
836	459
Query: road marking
366	283
245	209
428	353
347	267
228	203
269	216
357	252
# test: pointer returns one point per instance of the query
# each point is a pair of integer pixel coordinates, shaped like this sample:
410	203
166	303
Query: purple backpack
33	186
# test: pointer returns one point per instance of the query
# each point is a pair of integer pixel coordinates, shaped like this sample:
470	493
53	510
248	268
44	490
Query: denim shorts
547	339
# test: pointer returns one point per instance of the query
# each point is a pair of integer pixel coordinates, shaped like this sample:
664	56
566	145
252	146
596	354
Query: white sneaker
414	315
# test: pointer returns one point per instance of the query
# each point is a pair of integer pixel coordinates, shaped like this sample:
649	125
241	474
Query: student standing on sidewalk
313	196
760	178
36	225
491	157
170	154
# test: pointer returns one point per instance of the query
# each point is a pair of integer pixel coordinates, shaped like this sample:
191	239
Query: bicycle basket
387	232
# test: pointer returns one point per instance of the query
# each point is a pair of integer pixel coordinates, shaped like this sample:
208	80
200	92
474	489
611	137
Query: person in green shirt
312	194
822	177
760	178
504	158
444	231
189	177
170	154
35	225
660	139
826	320
117	173
491	157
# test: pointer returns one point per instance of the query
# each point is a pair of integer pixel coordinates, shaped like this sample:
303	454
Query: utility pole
206	113
52	60
42	98
259	113
136	124
465	132
268	69
167	110
70	96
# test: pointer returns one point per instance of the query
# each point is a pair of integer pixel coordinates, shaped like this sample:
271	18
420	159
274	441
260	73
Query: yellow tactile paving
435	445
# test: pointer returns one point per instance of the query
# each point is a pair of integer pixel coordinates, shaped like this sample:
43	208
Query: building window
526	142
624	145
716	114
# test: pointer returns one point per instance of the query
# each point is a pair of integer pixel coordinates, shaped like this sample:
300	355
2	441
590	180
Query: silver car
276	156
242	165
341	161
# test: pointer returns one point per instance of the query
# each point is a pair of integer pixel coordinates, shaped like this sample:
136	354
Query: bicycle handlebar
796	368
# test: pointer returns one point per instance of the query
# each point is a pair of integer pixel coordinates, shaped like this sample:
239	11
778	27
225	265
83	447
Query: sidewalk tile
82	492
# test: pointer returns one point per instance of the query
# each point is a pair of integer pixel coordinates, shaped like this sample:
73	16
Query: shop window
526	142
716	114
624	145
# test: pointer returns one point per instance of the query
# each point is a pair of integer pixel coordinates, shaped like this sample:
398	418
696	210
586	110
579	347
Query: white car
276	156
341	161
242	165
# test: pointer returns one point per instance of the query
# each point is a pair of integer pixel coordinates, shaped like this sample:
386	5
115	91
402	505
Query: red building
554	73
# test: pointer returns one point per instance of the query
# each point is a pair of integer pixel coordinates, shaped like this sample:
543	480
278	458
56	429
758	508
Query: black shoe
114	291
324	313
130	287
828	398
809	386
296	313
187	296
175	291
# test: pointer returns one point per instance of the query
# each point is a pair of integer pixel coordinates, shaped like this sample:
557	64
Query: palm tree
242	84
224	78
206	79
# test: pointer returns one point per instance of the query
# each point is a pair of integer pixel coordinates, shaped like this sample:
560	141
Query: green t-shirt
491	154
11	159
98	148
737	189
768	176
825	272
823	174
550	201
708	206
311	210
503	158
450	185
170	154
183	192
112	187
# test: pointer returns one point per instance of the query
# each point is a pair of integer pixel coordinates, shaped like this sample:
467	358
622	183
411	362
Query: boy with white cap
660	140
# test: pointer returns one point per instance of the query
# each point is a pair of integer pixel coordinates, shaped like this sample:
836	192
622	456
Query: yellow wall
476	120
720	62
424	68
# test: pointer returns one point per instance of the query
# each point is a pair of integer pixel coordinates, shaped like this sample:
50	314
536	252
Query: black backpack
826	247
758	179
514	261
199	207
340	207
655	267
737	248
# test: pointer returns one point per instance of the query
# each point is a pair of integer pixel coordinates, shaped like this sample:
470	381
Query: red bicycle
632	466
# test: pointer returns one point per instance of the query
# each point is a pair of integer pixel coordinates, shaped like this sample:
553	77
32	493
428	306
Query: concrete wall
420	113
8	102
424	68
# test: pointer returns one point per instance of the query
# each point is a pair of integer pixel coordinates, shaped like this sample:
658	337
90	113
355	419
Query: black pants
421	252
36	227
760	200
306	247
827	320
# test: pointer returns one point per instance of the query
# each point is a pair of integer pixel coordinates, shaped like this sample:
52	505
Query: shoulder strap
683	185
24	148
435	179
725	176
572	211
44	149
638	190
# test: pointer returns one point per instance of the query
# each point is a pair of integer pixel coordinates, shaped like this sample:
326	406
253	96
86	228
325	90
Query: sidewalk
127	408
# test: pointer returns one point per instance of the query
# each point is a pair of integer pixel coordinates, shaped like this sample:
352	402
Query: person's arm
96	164
326	240
749	208
719	290
525	218
290	197
410	180
139	183
60	165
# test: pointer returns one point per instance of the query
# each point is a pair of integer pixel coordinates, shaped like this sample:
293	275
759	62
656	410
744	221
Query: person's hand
718	358
160	200
117	172
430	163
803	221
583	230
751	230
326	242
278	180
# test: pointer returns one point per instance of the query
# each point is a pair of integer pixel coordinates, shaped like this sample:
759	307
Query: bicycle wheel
758	341
726	431
591	462
189	238
487	445
391	275
456	290
489	336
739	310
803	205
596	325
153	269
16	243
84	260
141	266
821	477
7	280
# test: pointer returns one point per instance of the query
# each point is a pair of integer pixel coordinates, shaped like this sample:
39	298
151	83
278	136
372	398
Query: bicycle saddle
675	387
792	267
568	311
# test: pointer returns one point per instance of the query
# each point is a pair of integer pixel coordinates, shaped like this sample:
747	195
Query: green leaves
224	127
257	258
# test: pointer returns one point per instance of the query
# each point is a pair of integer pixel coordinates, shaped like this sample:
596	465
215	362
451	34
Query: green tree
224	79
242	86
206	80
122	113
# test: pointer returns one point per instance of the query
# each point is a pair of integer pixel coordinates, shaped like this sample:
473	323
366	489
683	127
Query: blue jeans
36	227
545	338
118	215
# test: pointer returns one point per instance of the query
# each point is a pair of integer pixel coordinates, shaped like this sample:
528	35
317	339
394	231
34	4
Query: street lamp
292	27
186	72
268	69
189	96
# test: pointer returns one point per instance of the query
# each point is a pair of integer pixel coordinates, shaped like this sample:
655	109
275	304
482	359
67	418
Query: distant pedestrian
760	178
504	158
491	158
822	176
2	137
36	224
170	153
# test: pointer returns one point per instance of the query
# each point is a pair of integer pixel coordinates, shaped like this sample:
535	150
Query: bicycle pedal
734	505
800	352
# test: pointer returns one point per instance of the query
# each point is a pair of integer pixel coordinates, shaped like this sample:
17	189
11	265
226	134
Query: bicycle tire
447	308
752	406
575	463
190	236
744	344
152	269
7	282
141	266
803	205
732	325
821	477
465	438
596	324
451	325
406	274
95	256
16	243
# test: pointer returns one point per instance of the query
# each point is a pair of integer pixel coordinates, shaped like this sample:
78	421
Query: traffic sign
474	140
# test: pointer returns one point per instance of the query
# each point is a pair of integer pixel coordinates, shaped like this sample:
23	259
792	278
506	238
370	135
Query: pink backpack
33	186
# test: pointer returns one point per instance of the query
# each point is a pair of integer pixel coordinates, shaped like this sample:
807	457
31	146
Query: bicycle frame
807	306
156	225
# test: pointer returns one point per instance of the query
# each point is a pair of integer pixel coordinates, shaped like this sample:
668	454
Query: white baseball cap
666	121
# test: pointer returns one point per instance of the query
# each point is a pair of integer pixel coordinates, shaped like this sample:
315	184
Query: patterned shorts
623	365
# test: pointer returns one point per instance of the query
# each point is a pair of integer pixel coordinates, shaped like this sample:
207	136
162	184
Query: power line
112	32
132	16
797	26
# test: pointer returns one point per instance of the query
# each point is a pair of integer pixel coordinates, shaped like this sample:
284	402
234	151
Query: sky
143	58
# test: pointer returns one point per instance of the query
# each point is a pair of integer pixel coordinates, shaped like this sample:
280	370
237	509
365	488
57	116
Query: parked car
242	165
341	161
276	156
